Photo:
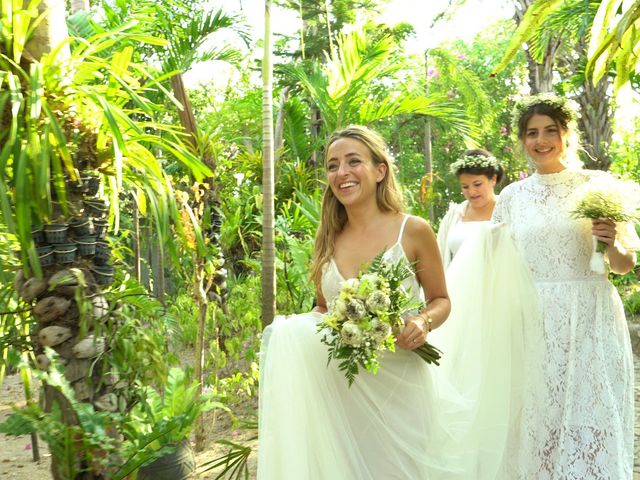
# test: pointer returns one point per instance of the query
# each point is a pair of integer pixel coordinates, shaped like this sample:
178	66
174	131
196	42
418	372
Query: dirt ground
16	453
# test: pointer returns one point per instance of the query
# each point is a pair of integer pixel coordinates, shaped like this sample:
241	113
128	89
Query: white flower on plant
378	302
380	331
351	334
351	285
368	283
337	306
355	310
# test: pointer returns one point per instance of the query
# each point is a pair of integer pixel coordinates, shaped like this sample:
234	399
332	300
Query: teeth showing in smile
543	150
347	184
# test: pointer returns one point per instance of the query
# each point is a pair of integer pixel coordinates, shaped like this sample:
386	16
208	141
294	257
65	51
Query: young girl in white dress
578	415
478	173
385	426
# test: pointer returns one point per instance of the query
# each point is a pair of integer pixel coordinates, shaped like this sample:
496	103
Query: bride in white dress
578	414
410	421
312	424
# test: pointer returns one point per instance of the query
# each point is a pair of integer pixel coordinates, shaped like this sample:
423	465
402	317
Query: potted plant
160	424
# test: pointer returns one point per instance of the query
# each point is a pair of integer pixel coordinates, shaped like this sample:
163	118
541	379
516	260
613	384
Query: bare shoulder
419	239
418	227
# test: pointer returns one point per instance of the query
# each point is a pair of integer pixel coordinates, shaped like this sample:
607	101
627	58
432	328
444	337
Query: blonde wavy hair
334	216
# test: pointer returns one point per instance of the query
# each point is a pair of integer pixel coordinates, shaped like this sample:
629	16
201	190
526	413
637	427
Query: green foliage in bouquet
610	198
365	316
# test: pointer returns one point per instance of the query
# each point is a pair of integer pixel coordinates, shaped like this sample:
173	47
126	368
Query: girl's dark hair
488	171
561	116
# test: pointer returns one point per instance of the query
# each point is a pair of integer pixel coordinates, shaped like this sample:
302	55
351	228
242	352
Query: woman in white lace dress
312	425
478	173
577	422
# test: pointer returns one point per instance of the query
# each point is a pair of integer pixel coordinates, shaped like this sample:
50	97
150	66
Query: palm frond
533	18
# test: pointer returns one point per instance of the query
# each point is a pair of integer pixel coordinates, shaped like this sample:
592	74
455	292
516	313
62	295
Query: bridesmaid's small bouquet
610	198
365	316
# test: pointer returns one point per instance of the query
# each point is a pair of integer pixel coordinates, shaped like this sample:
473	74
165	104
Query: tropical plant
77	132
353	86
615	40
556	33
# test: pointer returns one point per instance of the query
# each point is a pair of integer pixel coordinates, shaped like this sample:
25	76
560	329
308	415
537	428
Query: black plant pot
82	226
96	208
77	186
37	235
177	465
100	227
65	252
46	255
102	253
86	245
103	274
92	183
56	232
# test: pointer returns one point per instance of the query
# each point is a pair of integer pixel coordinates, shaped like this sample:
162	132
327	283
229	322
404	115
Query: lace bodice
538	211
332	278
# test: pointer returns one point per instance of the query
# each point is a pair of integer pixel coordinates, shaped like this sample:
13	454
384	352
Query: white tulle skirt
411	420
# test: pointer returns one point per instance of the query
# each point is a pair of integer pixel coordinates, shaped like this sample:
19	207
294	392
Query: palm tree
268	180
614	41
356	85
555	33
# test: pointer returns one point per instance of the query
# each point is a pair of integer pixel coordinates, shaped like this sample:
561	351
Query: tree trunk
316	122
596	113
137	260
187	119
279	134
540	74
79	6
50	32
199	355
268	237
426	139
595	123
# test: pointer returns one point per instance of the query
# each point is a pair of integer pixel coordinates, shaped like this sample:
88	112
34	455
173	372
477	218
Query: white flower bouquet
607	198
365	316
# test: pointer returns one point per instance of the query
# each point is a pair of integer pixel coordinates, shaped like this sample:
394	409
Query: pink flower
27	446
503	130
433	73
235	433
461	56
522	175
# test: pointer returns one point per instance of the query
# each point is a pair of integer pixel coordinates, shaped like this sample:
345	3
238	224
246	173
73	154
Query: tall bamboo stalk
268	179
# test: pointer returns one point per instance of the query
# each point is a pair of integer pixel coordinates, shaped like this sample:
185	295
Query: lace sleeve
501	210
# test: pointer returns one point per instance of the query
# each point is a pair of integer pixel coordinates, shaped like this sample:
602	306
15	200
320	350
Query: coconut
83	391
76	369
43	362
107	402
18	281
33	288
89	347
100	307
111	377
50	308
53	335
68	277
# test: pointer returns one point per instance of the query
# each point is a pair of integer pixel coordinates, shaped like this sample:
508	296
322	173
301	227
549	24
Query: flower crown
474	161
568	107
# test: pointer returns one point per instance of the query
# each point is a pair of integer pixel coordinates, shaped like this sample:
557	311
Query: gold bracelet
427	318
